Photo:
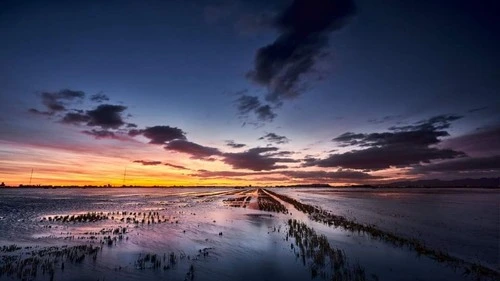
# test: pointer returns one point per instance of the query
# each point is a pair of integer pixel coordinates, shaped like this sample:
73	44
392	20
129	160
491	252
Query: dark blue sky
309	71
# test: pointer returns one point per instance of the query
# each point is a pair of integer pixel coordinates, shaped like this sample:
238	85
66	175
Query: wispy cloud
274	138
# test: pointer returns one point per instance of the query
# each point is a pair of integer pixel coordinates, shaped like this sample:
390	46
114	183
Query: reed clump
29	265
323	260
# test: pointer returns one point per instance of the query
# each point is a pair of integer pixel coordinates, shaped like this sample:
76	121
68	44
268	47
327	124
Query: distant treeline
434	183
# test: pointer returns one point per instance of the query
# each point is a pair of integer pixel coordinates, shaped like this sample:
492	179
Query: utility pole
31	177
124	175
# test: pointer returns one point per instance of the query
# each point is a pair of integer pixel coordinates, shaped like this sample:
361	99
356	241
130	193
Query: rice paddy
227	234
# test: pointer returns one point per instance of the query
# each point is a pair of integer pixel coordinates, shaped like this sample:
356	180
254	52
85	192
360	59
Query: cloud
378	158
107	134
106	116
470	167
57	101
303	28
339	175
160	134
482	142
310	176
232	144
148	163
247	104
36	111
251	104
472	110
101	134
195	150
75	118
256	159
176	166
104	120
467	164
423	133
265	113
99	98
400	147
274	138
227	174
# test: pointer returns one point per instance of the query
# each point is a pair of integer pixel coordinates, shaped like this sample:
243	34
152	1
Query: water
246	243
464	222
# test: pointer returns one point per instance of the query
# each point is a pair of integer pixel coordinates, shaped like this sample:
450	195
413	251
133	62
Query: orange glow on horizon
60	166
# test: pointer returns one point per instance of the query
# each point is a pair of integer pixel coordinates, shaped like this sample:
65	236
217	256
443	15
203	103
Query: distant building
2	184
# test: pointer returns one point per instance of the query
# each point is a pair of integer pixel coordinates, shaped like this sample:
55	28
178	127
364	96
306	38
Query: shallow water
464	222
245	243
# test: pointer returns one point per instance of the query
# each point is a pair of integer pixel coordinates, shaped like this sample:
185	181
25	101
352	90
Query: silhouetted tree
2	184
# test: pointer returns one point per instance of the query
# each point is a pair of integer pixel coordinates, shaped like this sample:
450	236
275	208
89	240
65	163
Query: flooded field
249	234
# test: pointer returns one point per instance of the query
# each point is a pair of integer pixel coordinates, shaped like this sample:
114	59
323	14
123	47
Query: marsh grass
29	265
323	260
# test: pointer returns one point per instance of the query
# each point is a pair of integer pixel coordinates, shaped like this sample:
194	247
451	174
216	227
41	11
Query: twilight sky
191	92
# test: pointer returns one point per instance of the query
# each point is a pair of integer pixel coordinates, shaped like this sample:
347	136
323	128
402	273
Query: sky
191	92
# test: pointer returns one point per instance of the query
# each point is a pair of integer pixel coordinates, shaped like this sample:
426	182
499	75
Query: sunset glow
202	95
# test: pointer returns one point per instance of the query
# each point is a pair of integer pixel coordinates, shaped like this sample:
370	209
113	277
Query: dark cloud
247	104
340	175
75	118
36	111
401	147
311	176
99	98
439	122
176	166
472	110
423	133
227	174
265	113
232	144
282	153
303	27
195	150
101	134
160	134
135	132
274	138
106	116
348	138
57	101
378	158
148	163
251	104
490	164
256	159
